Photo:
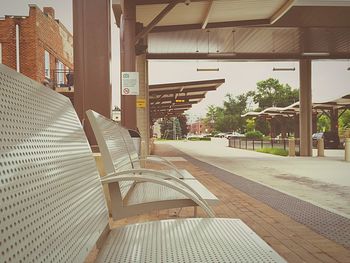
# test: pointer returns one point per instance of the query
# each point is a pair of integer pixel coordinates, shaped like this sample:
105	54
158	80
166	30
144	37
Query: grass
275	151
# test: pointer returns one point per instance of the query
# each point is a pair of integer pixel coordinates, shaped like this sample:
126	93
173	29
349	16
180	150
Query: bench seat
150	192
187	240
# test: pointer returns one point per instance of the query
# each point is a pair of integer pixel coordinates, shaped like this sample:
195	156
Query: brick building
38	45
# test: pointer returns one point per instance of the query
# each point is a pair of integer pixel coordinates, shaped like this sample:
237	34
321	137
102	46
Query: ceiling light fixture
207	69
283	69
315	54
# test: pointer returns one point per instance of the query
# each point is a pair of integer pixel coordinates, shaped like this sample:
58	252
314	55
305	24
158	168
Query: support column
314	122
143	122
283	127
305	115
128	60
334	120
92	54
296	126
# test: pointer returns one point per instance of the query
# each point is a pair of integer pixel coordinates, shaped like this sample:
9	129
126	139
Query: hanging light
283	69
207	69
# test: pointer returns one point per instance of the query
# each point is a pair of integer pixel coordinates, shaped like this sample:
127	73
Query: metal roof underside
173	99
249	29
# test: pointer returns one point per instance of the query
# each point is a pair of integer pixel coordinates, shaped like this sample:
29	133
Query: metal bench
130	197
102	132
52	205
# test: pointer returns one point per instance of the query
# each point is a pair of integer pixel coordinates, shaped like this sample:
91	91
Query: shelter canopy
341	103
173	99
254	29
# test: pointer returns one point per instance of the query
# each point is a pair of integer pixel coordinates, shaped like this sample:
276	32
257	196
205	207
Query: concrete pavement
324	181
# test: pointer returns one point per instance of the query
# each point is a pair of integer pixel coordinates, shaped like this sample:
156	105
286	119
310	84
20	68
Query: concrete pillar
143	121
283	127
314	122
296	125
305	108
320	147
128	60
291	147
273	128
334	120
347	149
92	54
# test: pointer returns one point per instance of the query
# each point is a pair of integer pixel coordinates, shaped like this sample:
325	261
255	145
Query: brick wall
38	32
8	42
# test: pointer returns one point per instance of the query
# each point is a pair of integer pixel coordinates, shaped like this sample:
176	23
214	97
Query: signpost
130	83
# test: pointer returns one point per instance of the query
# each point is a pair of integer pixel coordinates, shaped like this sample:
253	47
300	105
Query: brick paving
294	241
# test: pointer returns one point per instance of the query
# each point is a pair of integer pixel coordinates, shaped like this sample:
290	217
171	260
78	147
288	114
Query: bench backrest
133	154
112	146
52	204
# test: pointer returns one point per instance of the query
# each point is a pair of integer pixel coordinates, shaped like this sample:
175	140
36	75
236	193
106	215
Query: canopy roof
172	99
254	29
338	103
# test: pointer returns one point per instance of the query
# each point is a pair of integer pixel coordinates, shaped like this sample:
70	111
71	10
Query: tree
323	123
167	128
271	93
250	124
228	118
183	124
344	120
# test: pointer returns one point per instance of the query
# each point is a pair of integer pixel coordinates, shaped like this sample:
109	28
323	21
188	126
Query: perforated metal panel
189	240
112	146
51	201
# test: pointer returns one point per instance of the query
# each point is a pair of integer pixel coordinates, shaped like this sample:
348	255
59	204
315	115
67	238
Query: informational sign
130	83
141	103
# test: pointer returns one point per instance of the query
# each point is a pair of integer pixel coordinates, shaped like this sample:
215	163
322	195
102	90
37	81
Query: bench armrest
163	161
159	175
168	183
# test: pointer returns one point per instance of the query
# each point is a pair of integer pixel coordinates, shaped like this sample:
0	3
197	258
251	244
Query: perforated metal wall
51	202
189	240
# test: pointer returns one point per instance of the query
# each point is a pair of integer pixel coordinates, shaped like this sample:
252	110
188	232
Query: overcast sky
330	79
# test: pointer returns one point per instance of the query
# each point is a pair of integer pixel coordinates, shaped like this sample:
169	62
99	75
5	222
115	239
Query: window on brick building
60	72
0	53
47	64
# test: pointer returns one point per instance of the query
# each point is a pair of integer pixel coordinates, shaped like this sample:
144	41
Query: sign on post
130	83
141	103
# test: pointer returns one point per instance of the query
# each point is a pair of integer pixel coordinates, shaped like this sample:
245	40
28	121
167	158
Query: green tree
167	128
323	123
271	93
344	120
250	124
183	124
228	118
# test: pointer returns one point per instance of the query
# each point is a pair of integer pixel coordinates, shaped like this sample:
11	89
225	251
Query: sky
330	79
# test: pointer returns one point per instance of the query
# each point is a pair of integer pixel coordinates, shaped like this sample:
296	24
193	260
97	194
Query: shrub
275	151
254	135
199	139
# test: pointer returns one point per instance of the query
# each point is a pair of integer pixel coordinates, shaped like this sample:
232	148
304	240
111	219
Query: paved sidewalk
324	182
292	240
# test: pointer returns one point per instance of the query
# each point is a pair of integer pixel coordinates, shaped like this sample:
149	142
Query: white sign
130	83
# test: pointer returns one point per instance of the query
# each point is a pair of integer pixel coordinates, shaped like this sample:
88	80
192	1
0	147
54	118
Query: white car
234	134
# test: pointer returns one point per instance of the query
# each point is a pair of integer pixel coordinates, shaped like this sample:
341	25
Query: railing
254	144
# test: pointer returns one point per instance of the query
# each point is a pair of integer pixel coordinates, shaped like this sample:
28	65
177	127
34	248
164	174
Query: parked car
234	134
220	135
331	139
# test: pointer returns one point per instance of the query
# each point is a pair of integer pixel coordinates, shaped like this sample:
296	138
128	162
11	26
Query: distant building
38	46
198	127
